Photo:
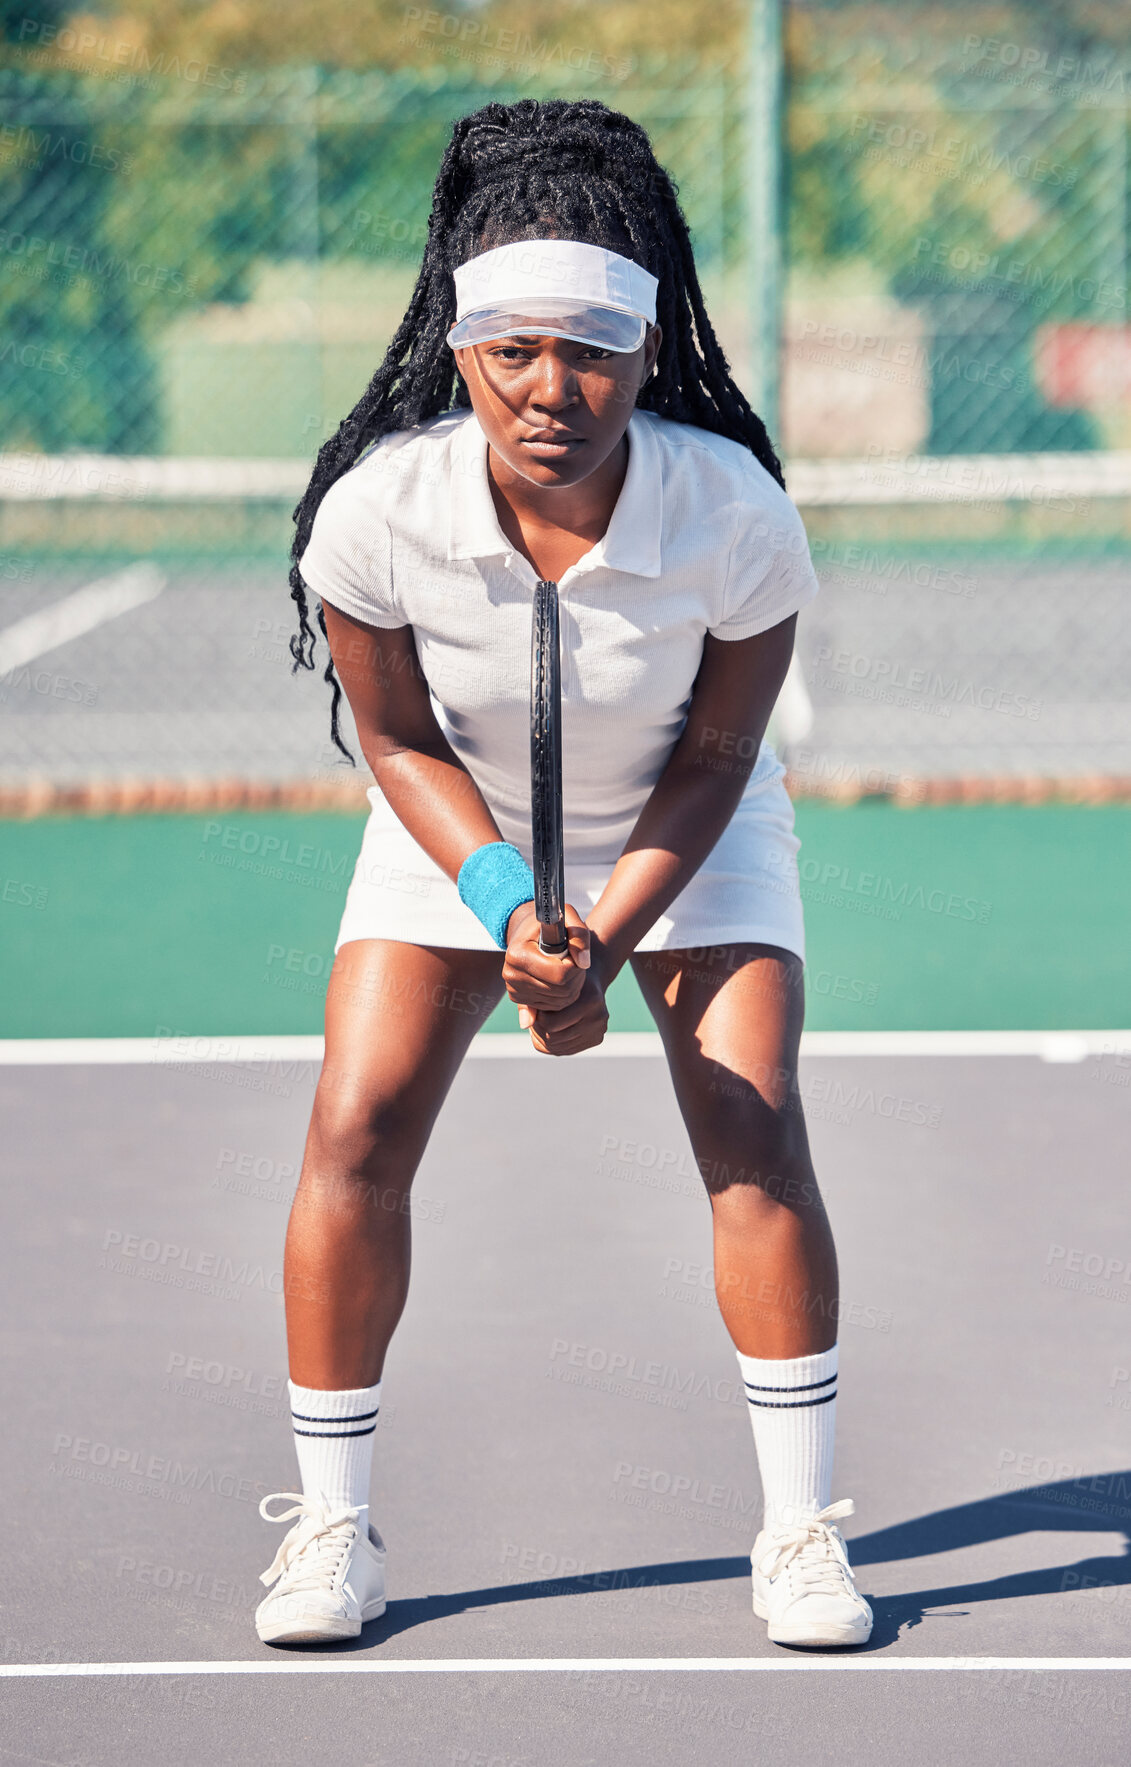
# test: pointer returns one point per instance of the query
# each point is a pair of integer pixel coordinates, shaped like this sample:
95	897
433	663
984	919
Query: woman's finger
566	1045
578	935
527	990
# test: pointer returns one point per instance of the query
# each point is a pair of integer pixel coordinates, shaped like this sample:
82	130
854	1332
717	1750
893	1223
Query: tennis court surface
564	1471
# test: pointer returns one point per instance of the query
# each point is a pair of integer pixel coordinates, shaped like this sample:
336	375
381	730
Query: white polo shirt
701	540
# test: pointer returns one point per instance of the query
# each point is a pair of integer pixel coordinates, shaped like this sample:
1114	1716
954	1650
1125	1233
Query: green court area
964	918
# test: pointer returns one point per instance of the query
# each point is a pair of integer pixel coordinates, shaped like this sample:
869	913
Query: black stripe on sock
809	1386
784	1404
360	1418
331	1435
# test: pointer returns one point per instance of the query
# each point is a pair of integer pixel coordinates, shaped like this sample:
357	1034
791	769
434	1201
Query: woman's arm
429	788
699	790
689	807
417	769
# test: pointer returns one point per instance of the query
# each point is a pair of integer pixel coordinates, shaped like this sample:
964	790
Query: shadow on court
1102	1504
1041	1508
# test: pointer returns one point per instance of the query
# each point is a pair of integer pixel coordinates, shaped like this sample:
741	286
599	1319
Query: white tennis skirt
746	890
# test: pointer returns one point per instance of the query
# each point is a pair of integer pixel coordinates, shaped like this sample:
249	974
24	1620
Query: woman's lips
553	447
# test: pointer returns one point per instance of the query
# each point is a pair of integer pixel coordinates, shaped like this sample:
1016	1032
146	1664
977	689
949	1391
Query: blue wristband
494	881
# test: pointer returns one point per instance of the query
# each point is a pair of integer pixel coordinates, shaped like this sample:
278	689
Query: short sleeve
770	573
348	559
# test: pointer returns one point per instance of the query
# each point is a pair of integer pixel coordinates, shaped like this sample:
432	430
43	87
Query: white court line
104	600
582	1665
1050	1046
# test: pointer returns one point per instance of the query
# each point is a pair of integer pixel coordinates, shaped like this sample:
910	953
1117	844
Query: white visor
553	288
603	328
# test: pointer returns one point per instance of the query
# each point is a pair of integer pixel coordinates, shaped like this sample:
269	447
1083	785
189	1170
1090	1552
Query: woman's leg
398	1022
399	1019
731	1027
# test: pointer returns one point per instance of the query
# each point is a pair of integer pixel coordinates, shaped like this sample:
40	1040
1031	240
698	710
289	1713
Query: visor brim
603	328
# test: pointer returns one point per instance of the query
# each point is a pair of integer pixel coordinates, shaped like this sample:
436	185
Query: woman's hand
536	980
574	1028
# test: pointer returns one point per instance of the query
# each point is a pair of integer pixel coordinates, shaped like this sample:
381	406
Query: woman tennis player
555	406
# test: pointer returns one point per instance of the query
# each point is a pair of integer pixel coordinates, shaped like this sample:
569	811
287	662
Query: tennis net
971	640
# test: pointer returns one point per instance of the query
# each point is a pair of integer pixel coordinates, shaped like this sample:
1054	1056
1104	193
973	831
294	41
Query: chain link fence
200	268
957	234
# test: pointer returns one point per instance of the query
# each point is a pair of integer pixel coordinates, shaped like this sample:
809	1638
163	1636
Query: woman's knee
355	1130
759	1147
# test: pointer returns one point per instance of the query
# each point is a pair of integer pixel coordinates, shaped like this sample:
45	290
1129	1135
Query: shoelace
815	1551
319	1540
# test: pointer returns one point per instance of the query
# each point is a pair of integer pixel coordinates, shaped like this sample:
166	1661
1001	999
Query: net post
764	211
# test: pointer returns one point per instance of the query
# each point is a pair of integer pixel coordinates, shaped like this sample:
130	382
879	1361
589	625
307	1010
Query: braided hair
573	169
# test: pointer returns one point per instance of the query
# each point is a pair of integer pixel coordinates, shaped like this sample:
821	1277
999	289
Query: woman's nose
555	384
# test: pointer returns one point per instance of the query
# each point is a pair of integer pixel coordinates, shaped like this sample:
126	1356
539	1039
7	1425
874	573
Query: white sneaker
803	1583
331	1577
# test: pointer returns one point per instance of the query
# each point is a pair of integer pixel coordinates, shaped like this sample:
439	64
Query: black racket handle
546	772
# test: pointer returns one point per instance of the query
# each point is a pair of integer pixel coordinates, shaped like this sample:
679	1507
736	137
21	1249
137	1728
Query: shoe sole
319	1632
834	1638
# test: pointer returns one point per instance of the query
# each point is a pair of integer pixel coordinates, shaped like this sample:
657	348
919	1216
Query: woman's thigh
730	1020
399	1019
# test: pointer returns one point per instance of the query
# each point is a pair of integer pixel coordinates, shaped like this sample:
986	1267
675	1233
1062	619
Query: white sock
793	1416
334	1444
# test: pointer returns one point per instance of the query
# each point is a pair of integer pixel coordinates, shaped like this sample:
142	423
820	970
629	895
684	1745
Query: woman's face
553	409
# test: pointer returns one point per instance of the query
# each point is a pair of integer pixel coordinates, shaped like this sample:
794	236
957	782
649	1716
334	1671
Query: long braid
570	168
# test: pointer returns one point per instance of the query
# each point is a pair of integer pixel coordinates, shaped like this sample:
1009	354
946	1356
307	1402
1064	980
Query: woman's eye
515	356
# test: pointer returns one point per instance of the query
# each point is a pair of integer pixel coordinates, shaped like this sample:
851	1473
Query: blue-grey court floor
564	1471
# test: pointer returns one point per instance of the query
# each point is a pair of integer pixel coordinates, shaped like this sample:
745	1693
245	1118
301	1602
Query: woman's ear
654	337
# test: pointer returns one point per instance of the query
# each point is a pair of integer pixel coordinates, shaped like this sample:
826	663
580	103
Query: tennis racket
546	772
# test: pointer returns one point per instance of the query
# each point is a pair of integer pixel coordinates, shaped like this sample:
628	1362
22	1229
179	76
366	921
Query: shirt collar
631	542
